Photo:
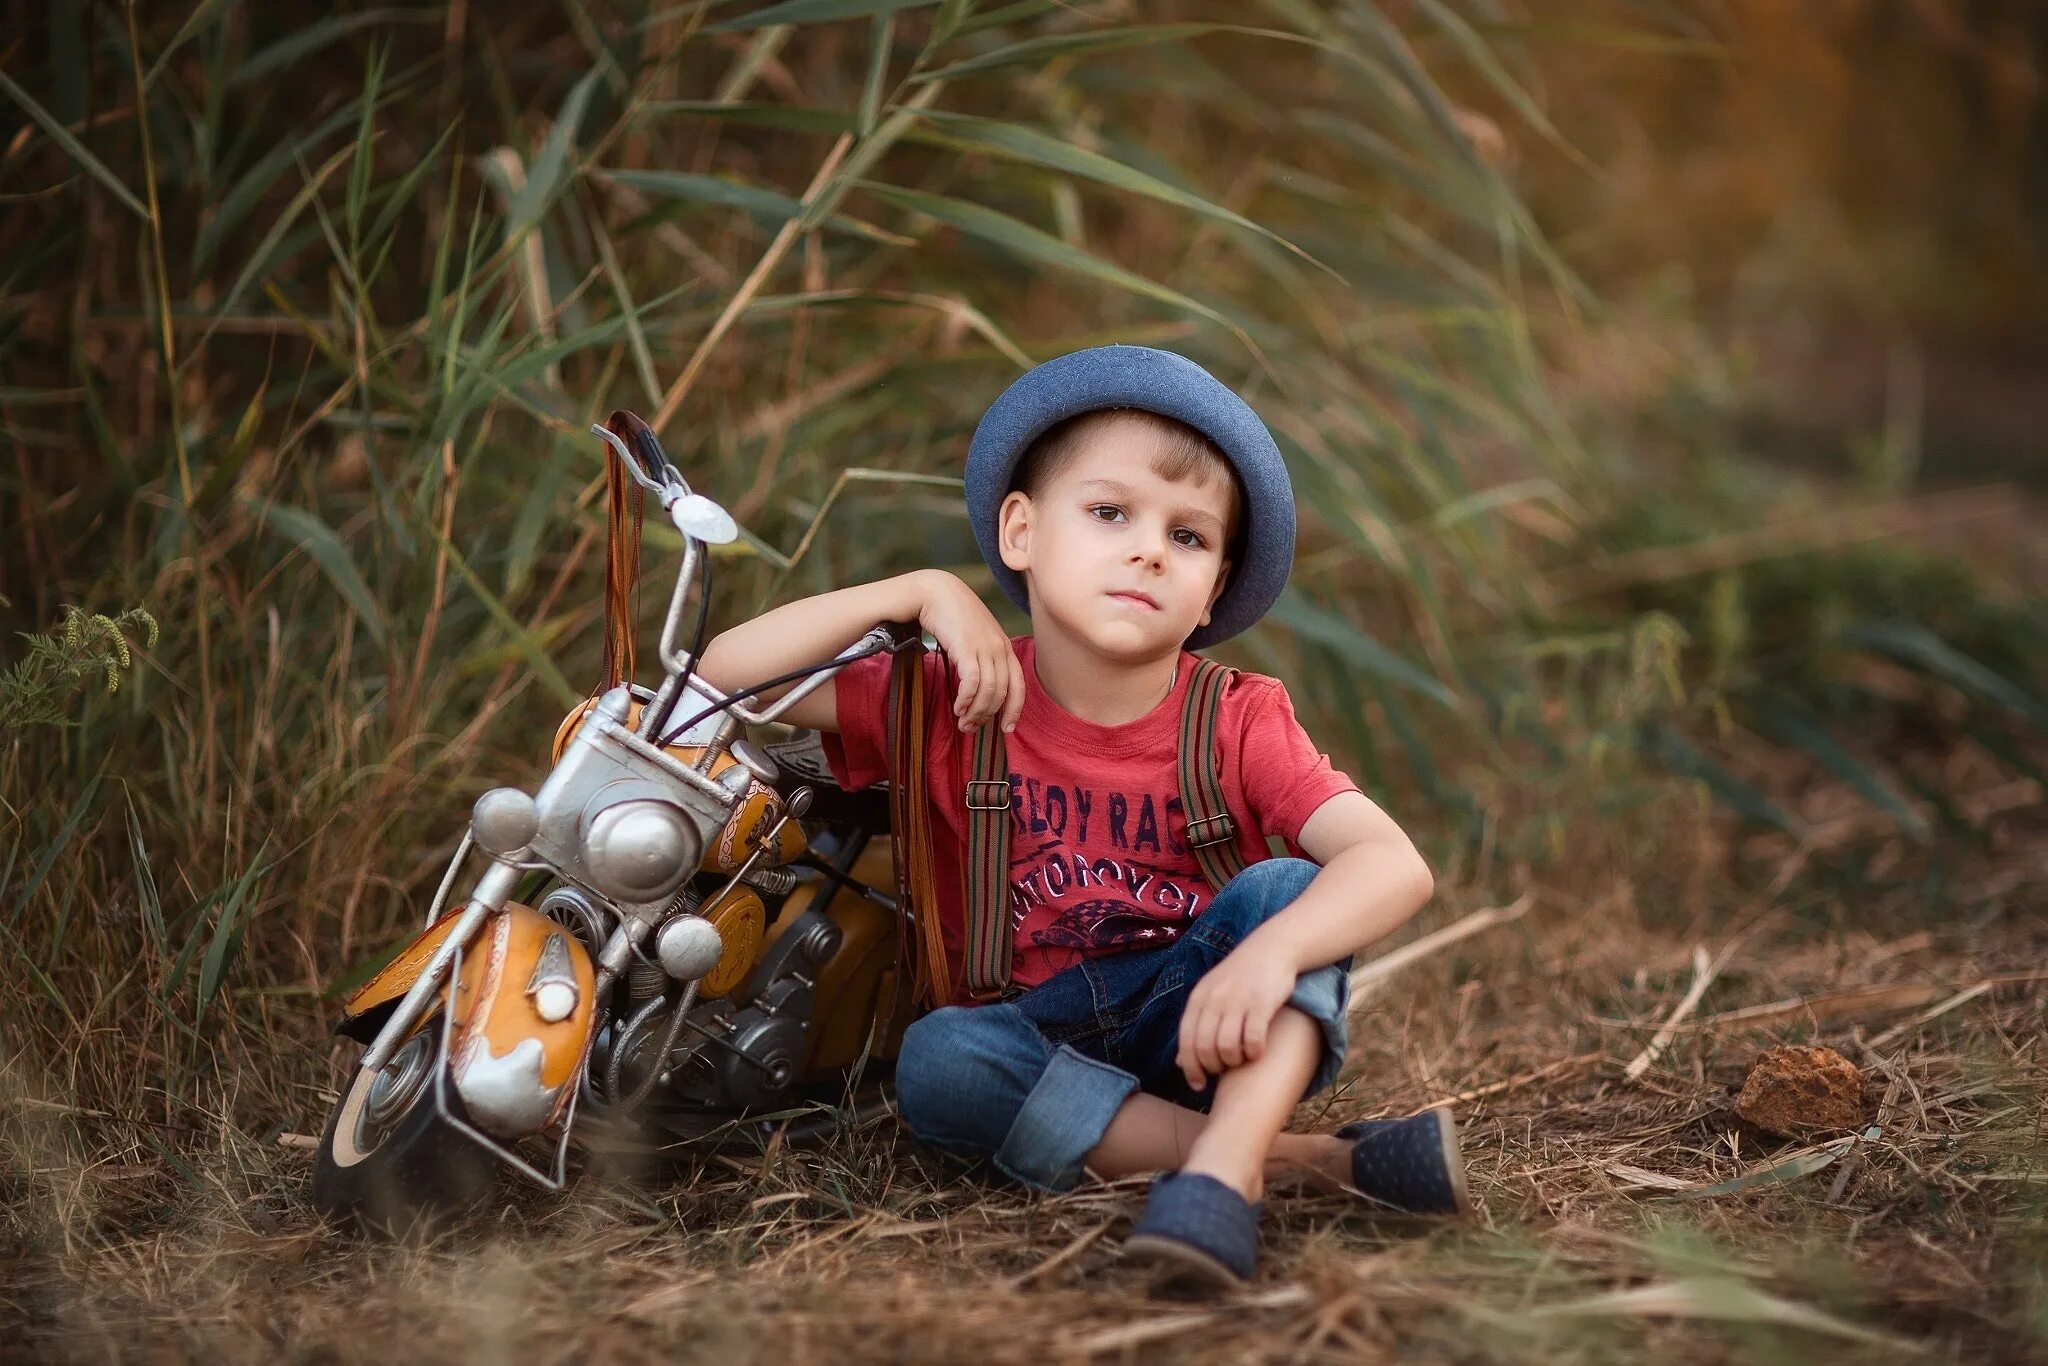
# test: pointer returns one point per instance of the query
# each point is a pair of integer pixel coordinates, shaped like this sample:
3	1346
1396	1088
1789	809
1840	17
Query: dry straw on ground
1618	1216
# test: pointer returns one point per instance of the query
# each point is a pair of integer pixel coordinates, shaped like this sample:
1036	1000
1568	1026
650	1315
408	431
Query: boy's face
1116	555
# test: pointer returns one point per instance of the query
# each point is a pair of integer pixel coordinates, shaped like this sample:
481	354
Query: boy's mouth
1132	595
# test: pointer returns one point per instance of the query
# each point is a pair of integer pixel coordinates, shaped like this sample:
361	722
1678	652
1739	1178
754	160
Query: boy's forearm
1360	897
809	630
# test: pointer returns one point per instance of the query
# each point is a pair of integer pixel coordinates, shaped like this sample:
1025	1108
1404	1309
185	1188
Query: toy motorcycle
677	928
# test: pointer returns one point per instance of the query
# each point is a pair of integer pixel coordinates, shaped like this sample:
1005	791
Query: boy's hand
991	679
1229	1011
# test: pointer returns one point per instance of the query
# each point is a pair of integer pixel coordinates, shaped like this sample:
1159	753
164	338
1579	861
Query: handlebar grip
639	438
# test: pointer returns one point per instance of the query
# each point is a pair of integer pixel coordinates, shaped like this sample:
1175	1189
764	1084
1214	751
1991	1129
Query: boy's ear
1222	582
1013	530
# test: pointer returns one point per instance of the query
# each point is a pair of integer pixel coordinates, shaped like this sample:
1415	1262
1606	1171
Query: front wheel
387	1158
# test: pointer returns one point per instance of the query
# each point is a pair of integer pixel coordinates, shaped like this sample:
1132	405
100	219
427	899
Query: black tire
387	1174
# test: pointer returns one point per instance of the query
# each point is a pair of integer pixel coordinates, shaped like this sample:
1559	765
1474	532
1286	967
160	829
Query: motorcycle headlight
640	851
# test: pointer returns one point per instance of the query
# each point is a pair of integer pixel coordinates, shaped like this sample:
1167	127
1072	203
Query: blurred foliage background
1660	383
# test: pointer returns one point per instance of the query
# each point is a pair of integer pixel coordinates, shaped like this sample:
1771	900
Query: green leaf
1037	52
259	260
880	45
241	199
313	37
816	12
222	477
366	135
791	118
80	807
1033	146
1786	724
544	176
532	649
318	540
1919	647
73	147
1676	754
227	933
1351	643
201	12
1033	244
1714	1298
770	205
1481	54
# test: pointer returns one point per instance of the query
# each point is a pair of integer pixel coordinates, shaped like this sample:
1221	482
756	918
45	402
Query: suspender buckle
991	786
1223	830
992	995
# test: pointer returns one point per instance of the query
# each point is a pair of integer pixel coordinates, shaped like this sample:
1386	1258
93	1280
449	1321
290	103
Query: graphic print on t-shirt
1095	870
1099	861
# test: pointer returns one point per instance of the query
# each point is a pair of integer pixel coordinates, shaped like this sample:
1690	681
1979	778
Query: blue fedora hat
1158	382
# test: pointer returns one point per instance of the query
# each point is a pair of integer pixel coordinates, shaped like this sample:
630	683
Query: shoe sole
1454	1160
1454	1163
1181	1261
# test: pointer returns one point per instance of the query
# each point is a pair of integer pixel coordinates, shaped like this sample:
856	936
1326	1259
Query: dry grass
858	1245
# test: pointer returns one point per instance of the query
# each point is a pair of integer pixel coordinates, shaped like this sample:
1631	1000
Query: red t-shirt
1099	859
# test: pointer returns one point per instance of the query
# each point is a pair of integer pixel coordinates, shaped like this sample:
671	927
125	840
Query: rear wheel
387	1158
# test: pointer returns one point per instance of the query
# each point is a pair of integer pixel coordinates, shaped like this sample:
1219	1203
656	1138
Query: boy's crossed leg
1239	1142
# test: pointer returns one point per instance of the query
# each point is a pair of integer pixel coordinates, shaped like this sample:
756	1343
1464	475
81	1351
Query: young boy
1138	510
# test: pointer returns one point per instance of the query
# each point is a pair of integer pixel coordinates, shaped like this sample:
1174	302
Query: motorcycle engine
760	1033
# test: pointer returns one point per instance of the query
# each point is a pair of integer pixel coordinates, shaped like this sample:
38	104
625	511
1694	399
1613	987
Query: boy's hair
1183	452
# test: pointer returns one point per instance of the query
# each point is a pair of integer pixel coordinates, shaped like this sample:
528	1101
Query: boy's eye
1194	539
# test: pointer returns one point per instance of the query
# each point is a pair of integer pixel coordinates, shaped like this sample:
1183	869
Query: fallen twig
1060	1258
1172	1325
1511	1083
1368	976
1850	1003
1967	994
1703	973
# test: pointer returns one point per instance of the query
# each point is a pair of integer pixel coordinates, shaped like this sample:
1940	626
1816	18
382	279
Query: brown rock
1799	1091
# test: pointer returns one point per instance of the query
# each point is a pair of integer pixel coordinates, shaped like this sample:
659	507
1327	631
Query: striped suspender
987	870
1211	832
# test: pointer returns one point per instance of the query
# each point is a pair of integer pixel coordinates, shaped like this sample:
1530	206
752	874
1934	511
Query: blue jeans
1032	1083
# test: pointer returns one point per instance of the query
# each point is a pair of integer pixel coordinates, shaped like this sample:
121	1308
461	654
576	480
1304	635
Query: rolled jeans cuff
1062	1120
1324	996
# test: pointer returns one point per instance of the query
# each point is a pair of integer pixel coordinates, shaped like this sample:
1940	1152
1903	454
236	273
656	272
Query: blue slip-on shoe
1411	1165
1197	1228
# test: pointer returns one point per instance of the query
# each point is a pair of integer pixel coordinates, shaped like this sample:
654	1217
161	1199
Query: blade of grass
1037	245
770	206
73	148
1915	645
1674	752
305	530
80	808
880	44
532	649
310	39
1351	644
816	12
1032	146
1788	725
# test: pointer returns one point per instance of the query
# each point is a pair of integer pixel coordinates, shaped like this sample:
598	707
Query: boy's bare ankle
1321	1161
1248	1181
